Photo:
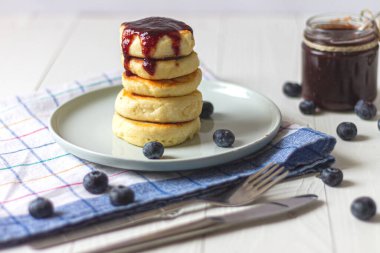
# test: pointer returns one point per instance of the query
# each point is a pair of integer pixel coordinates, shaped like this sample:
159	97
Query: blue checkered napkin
32	164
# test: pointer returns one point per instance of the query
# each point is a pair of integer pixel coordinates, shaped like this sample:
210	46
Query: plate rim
110	160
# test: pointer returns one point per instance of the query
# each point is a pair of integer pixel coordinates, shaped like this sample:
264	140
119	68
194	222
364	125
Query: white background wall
198	6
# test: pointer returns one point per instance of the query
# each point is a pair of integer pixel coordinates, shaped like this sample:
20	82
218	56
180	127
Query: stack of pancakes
159	100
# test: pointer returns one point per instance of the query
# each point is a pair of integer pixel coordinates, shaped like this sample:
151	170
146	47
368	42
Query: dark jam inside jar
339	61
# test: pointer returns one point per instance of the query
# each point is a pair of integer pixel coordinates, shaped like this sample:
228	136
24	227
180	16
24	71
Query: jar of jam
339	61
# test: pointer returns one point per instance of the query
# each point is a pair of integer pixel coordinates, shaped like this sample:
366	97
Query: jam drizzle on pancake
150	30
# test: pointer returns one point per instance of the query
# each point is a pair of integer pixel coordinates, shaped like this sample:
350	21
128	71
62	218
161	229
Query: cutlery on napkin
242	194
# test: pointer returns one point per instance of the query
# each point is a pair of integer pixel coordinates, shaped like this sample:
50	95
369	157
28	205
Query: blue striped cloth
32	164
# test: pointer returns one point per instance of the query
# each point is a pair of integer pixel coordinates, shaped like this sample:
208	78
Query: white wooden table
260	52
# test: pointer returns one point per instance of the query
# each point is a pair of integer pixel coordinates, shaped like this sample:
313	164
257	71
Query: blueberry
331	176
363	208
223	138
96	182
207	110
153	150
307	107
347	131
378	124
121	195
41	208
365	110
292	89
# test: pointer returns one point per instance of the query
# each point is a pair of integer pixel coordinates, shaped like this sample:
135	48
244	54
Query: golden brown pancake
138	133
162	69
179	86
161	110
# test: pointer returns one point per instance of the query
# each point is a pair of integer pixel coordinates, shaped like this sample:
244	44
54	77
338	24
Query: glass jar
339	61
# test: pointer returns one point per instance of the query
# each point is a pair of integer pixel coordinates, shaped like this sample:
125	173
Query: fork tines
265	178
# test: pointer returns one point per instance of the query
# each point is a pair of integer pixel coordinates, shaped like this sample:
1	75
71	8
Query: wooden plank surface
260	52
28	47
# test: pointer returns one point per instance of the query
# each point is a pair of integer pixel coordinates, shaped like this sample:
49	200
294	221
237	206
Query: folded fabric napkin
32	164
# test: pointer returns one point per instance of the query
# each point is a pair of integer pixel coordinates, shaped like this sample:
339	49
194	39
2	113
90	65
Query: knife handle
156	238
169	212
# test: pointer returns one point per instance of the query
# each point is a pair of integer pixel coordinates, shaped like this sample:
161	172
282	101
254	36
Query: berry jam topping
149	65
150	30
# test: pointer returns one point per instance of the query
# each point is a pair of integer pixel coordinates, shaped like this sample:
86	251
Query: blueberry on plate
331	176
153	150
347	131
307	107
292	89
363	208
378	124
96	182
223	138
365	110
121	195
207	110
41	208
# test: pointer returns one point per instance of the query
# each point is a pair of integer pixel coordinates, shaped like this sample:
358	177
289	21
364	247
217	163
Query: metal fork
254	186
243	194
240	195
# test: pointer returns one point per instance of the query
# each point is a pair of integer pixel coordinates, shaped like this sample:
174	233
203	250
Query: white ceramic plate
82	126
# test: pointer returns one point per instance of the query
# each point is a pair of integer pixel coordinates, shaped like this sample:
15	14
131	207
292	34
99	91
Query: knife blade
211	224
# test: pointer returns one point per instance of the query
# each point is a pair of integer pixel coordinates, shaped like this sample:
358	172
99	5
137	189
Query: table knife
210	224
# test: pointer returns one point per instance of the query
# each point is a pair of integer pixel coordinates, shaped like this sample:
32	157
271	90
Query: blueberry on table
153	150
347	131
207	110
41	208
307	107
121	195
96	182
363	208
292	89
365	110
331	176
223	138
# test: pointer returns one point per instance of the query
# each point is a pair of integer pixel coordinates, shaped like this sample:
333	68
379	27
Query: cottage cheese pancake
178	86
156	37
162	110
161	69
138	133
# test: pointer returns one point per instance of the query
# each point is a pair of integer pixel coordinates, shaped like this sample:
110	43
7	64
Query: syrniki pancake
162	69
164	47
138	133
162	110
179	86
